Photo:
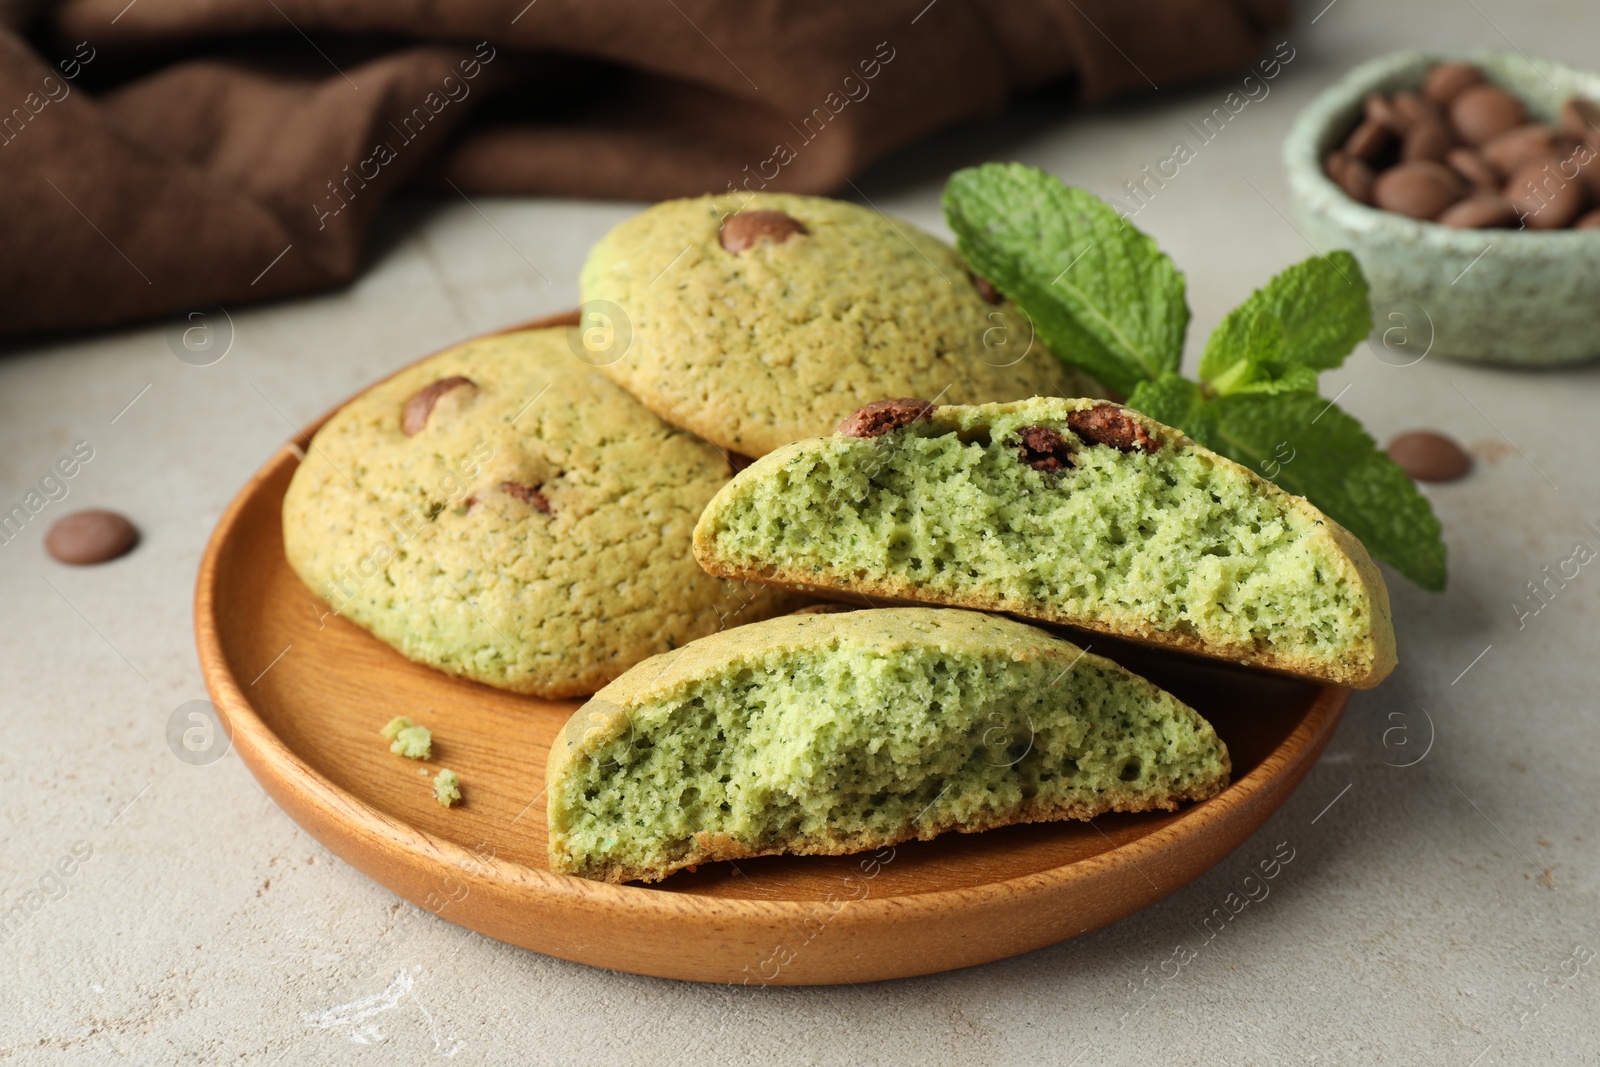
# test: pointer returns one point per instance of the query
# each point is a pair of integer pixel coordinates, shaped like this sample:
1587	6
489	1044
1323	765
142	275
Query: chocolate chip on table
1447	81
749	228
881	416
1481	112
420	406
1480	211
1420	190
986	289
1520	144
92	536
1370	141
1108	424
1581	119
1473	167
1429	457
1543	198
528	494
1044	449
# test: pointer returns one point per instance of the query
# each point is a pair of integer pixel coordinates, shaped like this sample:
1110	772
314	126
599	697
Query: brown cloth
158	155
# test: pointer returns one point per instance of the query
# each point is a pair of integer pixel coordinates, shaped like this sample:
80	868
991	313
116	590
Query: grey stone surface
1431	913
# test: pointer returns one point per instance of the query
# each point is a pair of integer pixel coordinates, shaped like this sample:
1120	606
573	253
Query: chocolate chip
1351	175
1420	190
1426	140
1580	119
1377	109
1413	109
420	406
1473	167
1543	198
1447	81
1370	140
1044	449
881	416
1481	211
1108	424
1482	111
1429	457
92	536
1520	144
528	494
749	228
986	289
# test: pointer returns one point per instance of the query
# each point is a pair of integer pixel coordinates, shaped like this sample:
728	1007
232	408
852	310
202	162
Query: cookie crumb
447	787
408	739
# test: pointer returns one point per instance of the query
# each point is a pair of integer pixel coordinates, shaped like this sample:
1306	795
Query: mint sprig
1104	298
1093	287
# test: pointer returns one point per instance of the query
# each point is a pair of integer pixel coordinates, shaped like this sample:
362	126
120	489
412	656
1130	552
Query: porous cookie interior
850	744
779	340
503	512
1007	507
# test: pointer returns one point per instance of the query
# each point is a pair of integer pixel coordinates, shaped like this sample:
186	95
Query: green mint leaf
1101	295
1311	448
1305	320
1176	401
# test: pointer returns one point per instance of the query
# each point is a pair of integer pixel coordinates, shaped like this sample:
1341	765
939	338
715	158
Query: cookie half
1076	512
503	512
758	319
830	734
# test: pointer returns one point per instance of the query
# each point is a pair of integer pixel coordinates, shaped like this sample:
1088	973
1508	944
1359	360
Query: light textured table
1431	913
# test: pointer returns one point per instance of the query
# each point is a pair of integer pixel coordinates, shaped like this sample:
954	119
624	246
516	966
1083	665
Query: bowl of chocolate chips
1468	187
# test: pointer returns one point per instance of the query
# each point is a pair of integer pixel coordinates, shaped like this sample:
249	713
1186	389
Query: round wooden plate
304	694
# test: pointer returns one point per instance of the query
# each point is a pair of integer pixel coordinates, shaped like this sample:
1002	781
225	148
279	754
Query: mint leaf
1176	401
1101	295
1313	449
1305	320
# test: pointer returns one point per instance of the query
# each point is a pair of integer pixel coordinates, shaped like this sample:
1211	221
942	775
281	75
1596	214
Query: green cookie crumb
447	787
408	739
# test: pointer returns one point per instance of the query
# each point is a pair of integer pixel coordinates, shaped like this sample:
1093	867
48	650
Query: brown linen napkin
158	155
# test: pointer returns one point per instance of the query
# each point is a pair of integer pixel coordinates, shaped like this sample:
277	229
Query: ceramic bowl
1502	296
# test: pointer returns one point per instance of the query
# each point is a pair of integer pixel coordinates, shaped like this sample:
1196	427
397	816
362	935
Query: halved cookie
1076	512
830	734
502	512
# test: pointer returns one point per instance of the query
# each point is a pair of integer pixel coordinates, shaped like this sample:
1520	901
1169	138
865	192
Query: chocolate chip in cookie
1044	449
881	416
1108	424
420	406
749	228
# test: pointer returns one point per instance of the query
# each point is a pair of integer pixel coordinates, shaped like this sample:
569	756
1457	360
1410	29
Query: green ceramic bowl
1502	296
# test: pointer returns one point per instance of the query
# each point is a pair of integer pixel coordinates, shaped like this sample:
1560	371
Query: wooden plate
304	694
